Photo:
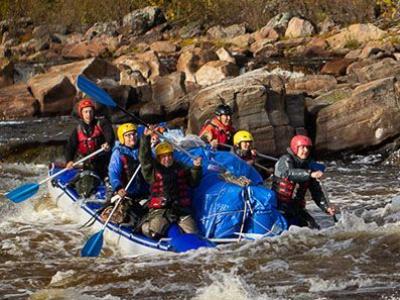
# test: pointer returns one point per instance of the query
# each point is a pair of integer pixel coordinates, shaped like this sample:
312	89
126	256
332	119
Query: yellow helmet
242	136
163	148
124	128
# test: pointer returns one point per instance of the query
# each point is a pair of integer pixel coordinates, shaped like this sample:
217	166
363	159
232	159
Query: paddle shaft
258	154
327	199
74	164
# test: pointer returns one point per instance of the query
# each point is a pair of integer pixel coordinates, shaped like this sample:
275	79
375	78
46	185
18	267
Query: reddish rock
368	117
299	28
383	68
336	67
55	93
312	83
168	92
163	47
17	102
215	71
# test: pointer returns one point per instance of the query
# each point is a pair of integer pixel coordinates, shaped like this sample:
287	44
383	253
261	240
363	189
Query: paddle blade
182	242
23	192
93	246
94	92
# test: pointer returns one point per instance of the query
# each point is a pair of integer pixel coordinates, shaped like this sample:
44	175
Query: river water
356	258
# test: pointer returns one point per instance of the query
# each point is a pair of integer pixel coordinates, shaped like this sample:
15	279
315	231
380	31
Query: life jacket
170	185
223	134
129	165
285	189
89	143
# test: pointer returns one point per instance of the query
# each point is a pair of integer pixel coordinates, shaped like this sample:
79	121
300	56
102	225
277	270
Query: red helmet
83	104
299	140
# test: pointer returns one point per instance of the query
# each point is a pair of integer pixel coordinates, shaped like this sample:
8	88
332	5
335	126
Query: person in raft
292	178
243	146
170	183
219	130
89	136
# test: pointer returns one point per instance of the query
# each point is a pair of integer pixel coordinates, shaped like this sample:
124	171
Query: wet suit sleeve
71	147
108	132
146	159
195	174
284	168
318	195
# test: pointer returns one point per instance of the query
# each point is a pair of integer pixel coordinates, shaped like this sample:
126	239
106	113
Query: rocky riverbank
339	84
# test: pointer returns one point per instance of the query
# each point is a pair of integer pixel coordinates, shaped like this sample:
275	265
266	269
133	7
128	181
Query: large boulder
98	46
148	64
191	60
55	93
367	118
384	68
17	102
92	68
168	92
260	105
298	27
141	20
215	71
356	33
312	83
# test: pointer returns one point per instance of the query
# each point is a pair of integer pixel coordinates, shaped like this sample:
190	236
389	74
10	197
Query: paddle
314	166
29	189
94	245
99	95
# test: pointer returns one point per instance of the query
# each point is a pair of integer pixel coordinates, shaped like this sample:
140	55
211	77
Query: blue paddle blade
94	92
93	246
314	166
182	242
23	192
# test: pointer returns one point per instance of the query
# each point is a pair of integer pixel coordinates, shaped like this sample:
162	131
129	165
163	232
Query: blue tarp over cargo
220	205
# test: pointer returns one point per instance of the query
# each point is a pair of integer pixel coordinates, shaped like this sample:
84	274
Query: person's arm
108	131
284	168
146	159
318	195
195	173
71	146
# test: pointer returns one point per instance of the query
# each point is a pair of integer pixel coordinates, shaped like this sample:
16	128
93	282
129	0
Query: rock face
357	33
6	73
141	20
17	102
215	71
168	91
54	93
260	105
367	117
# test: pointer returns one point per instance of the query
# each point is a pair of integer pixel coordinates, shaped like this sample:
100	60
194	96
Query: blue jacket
138	188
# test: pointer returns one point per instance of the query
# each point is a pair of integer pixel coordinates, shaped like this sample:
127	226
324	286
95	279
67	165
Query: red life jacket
285	188
129	165
220	132
88	144
170	185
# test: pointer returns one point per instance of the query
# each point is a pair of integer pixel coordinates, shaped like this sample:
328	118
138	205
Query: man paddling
170	182
292	178
219	129
87	137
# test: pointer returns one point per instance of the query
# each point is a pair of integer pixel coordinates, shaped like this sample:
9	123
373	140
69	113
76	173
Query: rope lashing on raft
240	181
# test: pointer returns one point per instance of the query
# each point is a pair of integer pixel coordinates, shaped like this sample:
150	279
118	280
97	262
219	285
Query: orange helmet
299	140
83	104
